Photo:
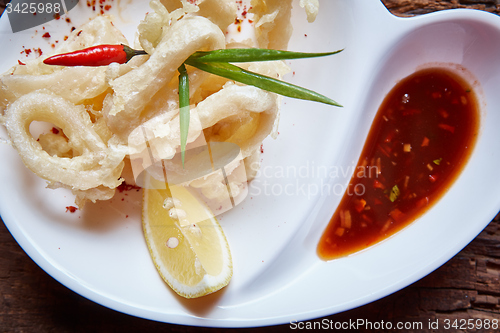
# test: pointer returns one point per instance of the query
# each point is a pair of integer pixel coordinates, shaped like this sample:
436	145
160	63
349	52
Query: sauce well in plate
420	139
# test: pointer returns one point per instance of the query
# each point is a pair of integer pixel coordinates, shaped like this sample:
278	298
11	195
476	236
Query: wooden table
468	286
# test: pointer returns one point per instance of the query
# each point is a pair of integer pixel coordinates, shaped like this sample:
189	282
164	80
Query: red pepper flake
21	63
127	187
46	35
359	205
71	209
65	38
57	16
68	20
377	184
447	127
79	32
422	202
39	51
55	130
27	51
443	113
262	148
389	137
383	150
410	112
73	29
396	214
367	218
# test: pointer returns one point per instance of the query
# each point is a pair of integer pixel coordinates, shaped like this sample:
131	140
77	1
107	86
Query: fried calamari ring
134	90
75	84
233	103
221	12
94	163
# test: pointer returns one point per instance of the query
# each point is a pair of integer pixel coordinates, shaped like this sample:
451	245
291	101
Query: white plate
100	253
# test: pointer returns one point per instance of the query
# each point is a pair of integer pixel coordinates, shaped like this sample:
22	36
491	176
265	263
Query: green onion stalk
218	62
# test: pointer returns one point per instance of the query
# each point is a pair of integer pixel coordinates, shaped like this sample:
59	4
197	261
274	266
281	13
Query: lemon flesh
190	250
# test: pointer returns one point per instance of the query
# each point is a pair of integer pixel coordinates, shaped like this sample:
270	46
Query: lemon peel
190	253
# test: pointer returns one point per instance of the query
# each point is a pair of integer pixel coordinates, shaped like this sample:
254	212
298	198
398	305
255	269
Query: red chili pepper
100	55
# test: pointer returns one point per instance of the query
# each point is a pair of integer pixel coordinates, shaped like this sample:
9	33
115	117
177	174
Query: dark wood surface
466	287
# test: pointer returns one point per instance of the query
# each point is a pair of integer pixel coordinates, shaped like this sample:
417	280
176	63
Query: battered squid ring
235	100
96	163
127	107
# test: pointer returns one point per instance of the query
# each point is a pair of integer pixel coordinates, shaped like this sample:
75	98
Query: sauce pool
420	139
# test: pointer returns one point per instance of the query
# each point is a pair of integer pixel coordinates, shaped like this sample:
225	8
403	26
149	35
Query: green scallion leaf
394	193
261	81
183	108
252	54
438	161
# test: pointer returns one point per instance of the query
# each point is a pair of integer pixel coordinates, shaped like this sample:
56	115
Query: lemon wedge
186	243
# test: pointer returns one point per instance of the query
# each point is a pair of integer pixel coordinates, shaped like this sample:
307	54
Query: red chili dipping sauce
420	139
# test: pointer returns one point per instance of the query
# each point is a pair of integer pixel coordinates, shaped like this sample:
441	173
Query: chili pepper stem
130	52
